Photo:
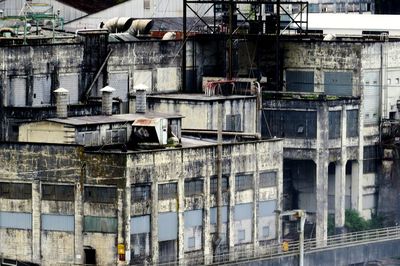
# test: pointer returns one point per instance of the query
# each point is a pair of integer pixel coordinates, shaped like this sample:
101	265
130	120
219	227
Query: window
191	242
244	182
146	4
100	194
265	231
267	179
352	123
55	222
15	190
58	192
334	124
338	83
100	224
290	124
193	187
371	158
300	81
167	191
241	235
214	181
141	193
233	122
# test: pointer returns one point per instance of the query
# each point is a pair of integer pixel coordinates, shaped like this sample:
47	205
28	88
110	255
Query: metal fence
310	245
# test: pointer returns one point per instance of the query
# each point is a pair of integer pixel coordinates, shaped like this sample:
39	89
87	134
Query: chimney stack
106	100
62	102
141	101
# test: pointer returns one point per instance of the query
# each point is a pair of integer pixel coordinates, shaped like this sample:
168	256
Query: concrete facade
110	198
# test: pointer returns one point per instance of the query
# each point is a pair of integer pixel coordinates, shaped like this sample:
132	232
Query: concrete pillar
256	178
340	195
322	162
206	236
340	176
181	210
120	221
78	240
127	216
231	208
356	185
154	221
36	226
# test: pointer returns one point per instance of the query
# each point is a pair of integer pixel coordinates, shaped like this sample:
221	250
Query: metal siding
119	81
70	82
170	219
15	220
243	211
193	218
300	81
338	83
53	222
213	214
140	224
371	98
41	89
266	208
17	91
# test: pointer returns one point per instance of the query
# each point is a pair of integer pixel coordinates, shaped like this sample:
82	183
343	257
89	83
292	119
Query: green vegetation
354	222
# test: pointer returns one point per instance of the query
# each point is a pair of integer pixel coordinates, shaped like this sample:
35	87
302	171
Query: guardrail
310	245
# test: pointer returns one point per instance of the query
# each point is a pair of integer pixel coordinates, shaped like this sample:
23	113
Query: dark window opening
244	182
267	179
141	192
352	123
90	256
193	187
100	194
167	191
334	124
371	159
58	192
15	190
233	122
214	181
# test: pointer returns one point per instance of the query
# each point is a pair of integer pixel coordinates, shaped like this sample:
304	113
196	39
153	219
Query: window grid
141	192
100	194
167	191
213	184
194	187
15	190
58	192
267	179
244	182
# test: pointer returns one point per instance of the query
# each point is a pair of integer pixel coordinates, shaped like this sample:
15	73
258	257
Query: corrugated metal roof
340	23
105	119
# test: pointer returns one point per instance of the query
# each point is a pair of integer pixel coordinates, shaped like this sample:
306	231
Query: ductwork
169	36
130	25
117	24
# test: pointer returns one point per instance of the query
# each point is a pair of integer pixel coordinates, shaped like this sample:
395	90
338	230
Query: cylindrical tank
62	102
106	100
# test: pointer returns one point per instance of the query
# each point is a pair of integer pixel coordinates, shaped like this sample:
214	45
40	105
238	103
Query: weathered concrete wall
202	113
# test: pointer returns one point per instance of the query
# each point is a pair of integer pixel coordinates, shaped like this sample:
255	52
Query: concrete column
36	226
255	201
340	195
154	221
127	216
181	225
340	176
356	185
322	162
207	239
120	221
231	207
78	240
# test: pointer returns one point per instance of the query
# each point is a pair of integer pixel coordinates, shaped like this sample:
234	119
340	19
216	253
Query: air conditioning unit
150	130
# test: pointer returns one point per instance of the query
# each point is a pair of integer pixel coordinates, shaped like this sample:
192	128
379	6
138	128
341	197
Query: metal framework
229	21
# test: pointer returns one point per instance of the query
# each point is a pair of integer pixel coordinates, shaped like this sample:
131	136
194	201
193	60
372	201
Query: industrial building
82	113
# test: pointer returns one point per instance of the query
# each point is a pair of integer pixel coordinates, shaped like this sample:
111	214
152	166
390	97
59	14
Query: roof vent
141	98
62	102
106	100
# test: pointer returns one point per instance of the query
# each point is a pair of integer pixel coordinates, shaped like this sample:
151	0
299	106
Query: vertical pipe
301	238
183	70
230	59
219	173
277	56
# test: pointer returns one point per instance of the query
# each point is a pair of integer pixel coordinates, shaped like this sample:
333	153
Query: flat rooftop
110	119
199	97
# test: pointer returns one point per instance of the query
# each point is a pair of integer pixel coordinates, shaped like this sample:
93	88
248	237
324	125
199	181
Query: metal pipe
183	70
301	239
219	178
